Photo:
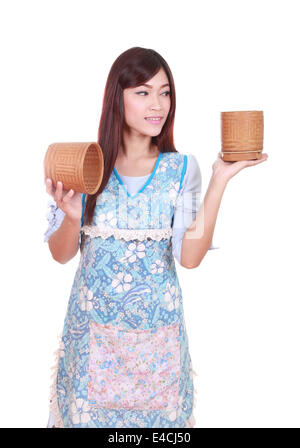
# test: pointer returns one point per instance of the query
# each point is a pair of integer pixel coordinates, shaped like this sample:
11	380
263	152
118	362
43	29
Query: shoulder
173	156
193	167
189	159
176	161
187	166
192	179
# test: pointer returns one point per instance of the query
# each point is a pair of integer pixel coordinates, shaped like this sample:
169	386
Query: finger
68	196
58	191
49	186
255	162
262	159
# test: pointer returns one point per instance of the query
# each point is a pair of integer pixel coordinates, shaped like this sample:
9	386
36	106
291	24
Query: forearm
198	236
63	243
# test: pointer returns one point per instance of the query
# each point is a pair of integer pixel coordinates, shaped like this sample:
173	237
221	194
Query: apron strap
83	207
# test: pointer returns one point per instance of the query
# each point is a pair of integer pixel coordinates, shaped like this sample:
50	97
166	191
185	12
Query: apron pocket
134	369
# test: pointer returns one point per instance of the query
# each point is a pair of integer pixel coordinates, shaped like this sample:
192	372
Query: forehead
159	78
157	81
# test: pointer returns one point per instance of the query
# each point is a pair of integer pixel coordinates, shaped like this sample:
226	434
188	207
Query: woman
124	358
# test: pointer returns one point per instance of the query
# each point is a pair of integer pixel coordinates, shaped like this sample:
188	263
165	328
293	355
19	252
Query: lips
154	120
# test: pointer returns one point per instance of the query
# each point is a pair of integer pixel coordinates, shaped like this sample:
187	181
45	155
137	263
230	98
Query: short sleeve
187	205
55	217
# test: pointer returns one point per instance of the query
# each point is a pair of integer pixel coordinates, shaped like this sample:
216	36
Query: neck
137	147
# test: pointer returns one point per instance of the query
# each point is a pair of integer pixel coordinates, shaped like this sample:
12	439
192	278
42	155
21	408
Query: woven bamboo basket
77	165
242	135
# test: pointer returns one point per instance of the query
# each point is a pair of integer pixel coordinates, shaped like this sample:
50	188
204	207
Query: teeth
153	119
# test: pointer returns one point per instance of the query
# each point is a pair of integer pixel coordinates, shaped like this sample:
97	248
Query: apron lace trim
127	234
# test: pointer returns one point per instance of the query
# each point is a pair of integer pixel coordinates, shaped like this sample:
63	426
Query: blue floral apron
124	359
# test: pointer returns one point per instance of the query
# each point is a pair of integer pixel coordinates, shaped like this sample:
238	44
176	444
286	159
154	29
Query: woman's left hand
226	170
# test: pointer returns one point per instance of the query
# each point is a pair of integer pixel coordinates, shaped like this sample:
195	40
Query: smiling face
149	100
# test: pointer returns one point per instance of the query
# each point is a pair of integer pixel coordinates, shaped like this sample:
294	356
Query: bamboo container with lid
78	165
242	135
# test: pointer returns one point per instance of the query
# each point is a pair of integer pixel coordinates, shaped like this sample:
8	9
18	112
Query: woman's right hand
68	201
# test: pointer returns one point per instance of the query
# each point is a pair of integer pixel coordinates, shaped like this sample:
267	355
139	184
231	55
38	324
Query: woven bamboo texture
78	165
242	135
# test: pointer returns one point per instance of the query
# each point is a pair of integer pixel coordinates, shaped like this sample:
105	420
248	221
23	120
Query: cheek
133	110
168	105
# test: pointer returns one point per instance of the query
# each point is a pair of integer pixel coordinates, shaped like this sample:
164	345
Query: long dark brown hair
132	68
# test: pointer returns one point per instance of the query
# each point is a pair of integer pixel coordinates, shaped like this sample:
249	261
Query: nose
156	103
156	106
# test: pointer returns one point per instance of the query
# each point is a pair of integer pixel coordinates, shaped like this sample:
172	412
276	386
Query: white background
242	303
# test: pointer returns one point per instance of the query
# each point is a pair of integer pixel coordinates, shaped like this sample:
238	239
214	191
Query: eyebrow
150	87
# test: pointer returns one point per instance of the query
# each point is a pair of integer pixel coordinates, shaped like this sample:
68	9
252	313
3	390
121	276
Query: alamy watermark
154	211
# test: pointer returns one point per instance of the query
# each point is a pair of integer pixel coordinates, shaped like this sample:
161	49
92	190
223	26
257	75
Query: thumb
68	195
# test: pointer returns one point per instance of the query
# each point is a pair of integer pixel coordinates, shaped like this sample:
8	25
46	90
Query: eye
167	93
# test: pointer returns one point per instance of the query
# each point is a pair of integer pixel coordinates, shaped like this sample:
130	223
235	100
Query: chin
153	133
